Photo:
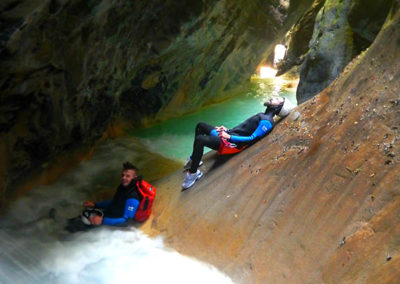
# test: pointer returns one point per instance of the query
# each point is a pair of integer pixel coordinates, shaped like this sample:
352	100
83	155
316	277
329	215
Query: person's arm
262	129
214	132
113	221
131	206
220	128
103	204
88	203
217	130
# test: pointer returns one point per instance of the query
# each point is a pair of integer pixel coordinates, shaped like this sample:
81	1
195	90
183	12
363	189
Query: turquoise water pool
174	138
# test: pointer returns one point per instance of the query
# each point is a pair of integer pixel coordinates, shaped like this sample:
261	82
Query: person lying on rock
122	207
234	140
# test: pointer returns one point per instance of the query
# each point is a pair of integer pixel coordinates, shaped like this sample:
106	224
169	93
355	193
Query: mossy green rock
342	30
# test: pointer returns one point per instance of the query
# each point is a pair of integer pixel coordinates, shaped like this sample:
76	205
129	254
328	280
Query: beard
275	109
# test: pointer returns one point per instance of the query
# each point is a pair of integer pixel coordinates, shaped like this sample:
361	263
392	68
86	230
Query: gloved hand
221	128
224	135
88	203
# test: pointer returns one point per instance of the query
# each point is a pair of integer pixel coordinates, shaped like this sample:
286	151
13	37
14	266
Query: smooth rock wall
71	69
327	37
331	49
298	38
317	200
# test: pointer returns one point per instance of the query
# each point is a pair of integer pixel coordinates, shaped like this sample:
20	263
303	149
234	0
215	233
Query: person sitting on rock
122	207
230	141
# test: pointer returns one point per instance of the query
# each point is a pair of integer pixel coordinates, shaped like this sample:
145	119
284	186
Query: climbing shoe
190	179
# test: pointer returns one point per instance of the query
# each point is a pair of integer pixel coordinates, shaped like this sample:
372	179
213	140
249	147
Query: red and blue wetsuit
123	205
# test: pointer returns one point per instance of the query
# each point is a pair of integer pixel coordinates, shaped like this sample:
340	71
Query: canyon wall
327	37
72	69
317	200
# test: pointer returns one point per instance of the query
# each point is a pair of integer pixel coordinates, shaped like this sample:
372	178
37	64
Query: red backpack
149	193
226	148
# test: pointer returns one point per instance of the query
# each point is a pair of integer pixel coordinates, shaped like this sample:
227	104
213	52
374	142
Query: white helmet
286	108
89	213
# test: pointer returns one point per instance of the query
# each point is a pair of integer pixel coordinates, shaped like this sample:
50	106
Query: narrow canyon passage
35	245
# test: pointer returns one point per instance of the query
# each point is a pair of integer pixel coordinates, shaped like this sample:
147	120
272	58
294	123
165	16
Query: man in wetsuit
246	133
124	203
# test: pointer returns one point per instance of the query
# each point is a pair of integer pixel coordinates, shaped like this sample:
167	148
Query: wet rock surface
327	37
298	38
330	49
317	200
71	69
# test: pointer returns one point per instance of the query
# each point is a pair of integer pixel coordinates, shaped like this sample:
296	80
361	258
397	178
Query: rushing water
35	248
174	138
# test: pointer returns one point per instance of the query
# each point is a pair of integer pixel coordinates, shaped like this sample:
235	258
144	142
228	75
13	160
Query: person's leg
203	128
200	141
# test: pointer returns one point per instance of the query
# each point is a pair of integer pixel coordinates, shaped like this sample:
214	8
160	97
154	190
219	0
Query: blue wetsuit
251	130
123	205
248	132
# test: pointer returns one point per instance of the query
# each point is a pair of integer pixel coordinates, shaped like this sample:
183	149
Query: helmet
286	108
89	213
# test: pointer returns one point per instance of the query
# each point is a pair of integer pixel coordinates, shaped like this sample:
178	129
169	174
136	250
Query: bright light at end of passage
279	53
267	72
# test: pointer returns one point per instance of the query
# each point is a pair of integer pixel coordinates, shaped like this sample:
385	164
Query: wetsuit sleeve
131	206
103	204
214	132
113	221
262	129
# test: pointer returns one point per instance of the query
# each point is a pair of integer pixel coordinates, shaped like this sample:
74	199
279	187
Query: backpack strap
139	186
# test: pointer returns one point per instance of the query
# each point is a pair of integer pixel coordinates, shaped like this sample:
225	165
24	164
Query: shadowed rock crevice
340	31
298	38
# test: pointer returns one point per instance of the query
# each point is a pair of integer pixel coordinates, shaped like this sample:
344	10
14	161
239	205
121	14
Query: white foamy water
103	255
35	248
